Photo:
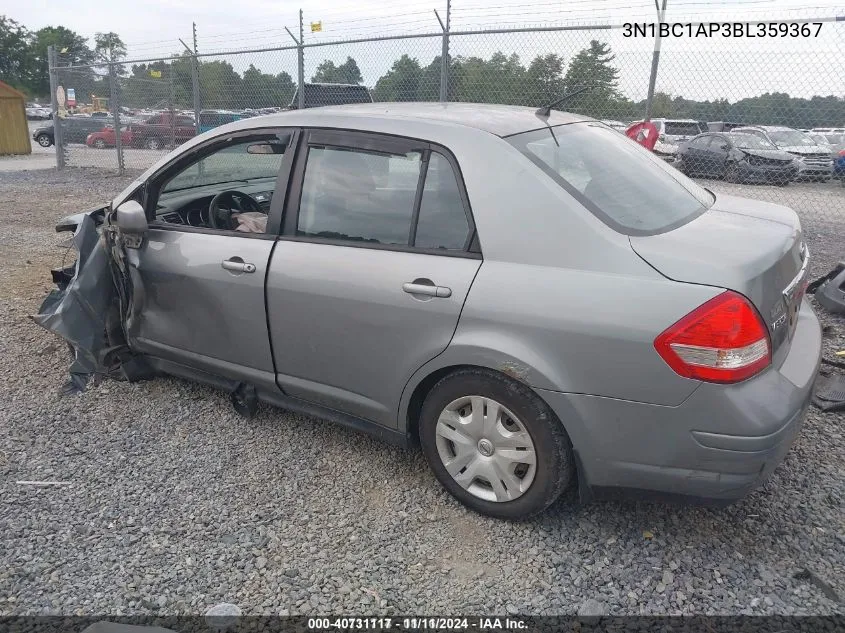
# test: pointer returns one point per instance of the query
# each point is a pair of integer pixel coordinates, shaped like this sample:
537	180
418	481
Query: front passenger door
369	277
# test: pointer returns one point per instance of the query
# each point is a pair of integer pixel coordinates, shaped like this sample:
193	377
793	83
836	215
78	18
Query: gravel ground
174	503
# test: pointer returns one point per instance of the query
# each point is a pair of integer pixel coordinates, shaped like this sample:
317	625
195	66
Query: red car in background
104	138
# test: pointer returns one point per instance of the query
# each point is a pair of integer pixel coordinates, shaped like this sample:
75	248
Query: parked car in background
829	130
671	133
619	126
75	129
36	112
162	130
722	126
210	119
317	95
737	157
666	347
106	138
814	162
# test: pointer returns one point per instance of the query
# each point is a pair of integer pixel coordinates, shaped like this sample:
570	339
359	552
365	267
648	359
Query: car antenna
546	110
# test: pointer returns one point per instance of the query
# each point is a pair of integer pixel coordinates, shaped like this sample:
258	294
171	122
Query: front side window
358	195
238	163
701	142
618	180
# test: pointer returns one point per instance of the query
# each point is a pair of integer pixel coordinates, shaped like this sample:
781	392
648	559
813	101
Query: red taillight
842	152
724	340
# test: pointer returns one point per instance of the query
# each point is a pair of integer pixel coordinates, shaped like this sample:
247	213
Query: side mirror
131	217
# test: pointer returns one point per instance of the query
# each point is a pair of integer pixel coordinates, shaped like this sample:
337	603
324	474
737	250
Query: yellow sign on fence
316	26
155	73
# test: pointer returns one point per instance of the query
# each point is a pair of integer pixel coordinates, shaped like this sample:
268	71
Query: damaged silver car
478	279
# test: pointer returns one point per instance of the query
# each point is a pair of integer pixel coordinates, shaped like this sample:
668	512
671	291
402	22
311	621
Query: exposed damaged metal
85	309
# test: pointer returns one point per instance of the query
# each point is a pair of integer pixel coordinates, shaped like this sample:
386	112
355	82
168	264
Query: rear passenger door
368	280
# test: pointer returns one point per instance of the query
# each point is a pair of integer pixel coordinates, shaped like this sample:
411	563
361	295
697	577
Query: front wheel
494	444
100	144
44	140
153	143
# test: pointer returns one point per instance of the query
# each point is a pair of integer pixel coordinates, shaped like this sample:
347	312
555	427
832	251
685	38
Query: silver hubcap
486	449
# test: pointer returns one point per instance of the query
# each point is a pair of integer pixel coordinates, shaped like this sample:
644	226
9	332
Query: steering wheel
222	218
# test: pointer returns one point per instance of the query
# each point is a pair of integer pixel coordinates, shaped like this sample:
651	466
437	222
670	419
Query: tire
44	140
526	421
100	144
152	143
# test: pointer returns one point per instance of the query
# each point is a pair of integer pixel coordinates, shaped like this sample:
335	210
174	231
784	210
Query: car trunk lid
752	247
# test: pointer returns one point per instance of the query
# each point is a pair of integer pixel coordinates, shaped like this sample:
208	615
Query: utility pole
444	53
58	139
655	59
195	81
114	99
301	62
172	99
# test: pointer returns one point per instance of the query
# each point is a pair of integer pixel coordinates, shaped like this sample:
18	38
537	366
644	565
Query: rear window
622	183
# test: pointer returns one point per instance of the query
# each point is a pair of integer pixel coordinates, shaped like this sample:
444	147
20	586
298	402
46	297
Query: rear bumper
718	445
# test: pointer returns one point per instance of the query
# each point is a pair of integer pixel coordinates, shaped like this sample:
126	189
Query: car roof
500	120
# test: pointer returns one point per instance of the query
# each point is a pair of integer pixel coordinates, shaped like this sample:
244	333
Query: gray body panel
193	306
345	335
715	249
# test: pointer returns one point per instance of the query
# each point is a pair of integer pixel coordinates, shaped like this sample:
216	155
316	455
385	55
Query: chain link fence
762	117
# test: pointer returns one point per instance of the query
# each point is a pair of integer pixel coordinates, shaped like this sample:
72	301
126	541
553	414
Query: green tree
592	67
346	73
263	90
71	48
109	46
544	82
401	82
16	59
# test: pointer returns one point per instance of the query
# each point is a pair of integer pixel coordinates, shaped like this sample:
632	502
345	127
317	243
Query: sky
695	68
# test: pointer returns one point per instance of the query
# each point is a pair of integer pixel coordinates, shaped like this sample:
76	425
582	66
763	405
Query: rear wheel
44	140
152	143
494	444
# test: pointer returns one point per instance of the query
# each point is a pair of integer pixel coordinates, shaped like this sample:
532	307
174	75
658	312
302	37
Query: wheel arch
512	366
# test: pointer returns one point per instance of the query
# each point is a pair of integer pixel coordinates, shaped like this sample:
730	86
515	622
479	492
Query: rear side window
375	194
359	195
618	180
442	222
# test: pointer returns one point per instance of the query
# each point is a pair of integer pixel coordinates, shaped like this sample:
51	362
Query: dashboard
190	206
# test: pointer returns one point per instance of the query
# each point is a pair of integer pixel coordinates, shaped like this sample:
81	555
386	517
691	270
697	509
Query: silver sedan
536	300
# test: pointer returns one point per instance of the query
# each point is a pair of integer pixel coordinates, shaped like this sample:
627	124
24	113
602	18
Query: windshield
750	141
790	138
819	138
619	181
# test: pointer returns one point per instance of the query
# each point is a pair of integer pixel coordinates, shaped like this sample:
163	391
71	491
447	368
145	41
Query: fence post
444	54
172	99
300	62
195	82
54	106
655	60
114	99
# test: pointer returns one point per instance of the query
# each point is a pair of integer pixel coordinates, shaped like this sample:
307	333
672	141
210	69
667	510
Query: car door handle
428	290
238	266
